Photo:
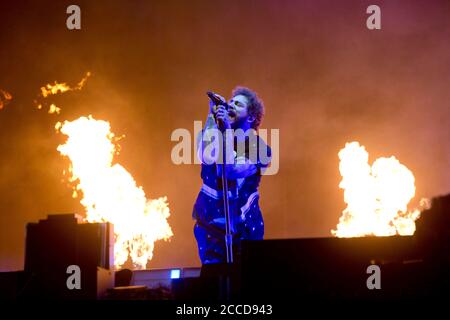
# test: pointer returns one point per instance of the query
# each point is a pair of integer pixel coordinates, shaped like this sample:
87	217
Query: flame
52	89
5	98
109	192
377	196
54	109
81	84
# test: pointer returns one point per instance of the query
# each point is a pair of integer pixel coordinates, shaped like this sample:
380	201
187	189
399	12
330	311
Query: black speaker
333	268
54	244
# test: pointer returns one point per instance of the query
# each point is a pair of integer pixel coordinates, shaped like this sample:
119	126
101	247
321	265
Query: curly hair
255	107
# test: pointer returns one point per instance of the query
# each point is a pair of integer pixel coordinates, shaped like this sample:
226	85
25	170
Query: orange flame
377	196
5	98
54	109
52	89
109	192
55	88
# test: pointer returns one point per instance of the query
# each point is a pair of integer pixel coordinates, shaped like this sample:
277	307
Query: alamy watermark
374	280
74	280
206	147
373	22
73	22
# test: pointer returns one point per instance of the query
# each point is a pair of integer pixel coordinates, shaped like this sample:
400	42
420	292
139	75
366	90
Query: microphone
217	101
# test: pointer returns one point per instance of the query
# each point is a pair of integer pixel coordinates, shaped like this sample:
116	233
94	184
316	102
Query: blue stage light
175	274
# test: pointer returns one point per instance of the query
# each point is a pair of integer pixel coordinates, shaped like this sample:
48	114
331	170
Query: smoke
325	80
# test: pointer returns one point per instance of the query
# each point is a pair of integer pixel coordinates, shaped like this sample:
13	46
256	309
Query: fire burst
5	98
377	196
109	192
56	88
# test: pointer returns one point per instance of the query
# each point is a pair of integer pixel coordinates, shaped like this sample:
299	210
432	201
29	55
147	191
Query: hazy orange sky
324	77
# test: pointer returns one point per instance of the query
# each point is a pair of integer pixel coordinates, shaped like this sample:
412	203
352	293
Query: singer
244	111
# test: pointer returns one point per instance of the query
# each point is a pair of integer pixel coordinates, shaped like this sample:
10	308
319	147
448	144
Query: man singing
245	162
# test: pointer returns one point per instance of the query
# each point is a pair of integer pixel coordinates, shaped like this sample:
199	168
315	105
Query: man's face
238	114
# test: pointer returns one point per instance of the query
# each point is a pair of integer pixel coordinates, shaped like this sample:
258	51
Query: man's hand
212	106
222	117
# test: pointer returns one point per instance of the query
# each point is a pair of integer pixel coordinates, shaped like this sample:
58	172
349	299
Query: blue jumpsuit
246	218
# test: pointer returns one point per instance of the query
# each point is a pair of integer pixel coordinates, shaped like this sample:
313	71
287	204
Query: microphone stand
226	204
226	207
